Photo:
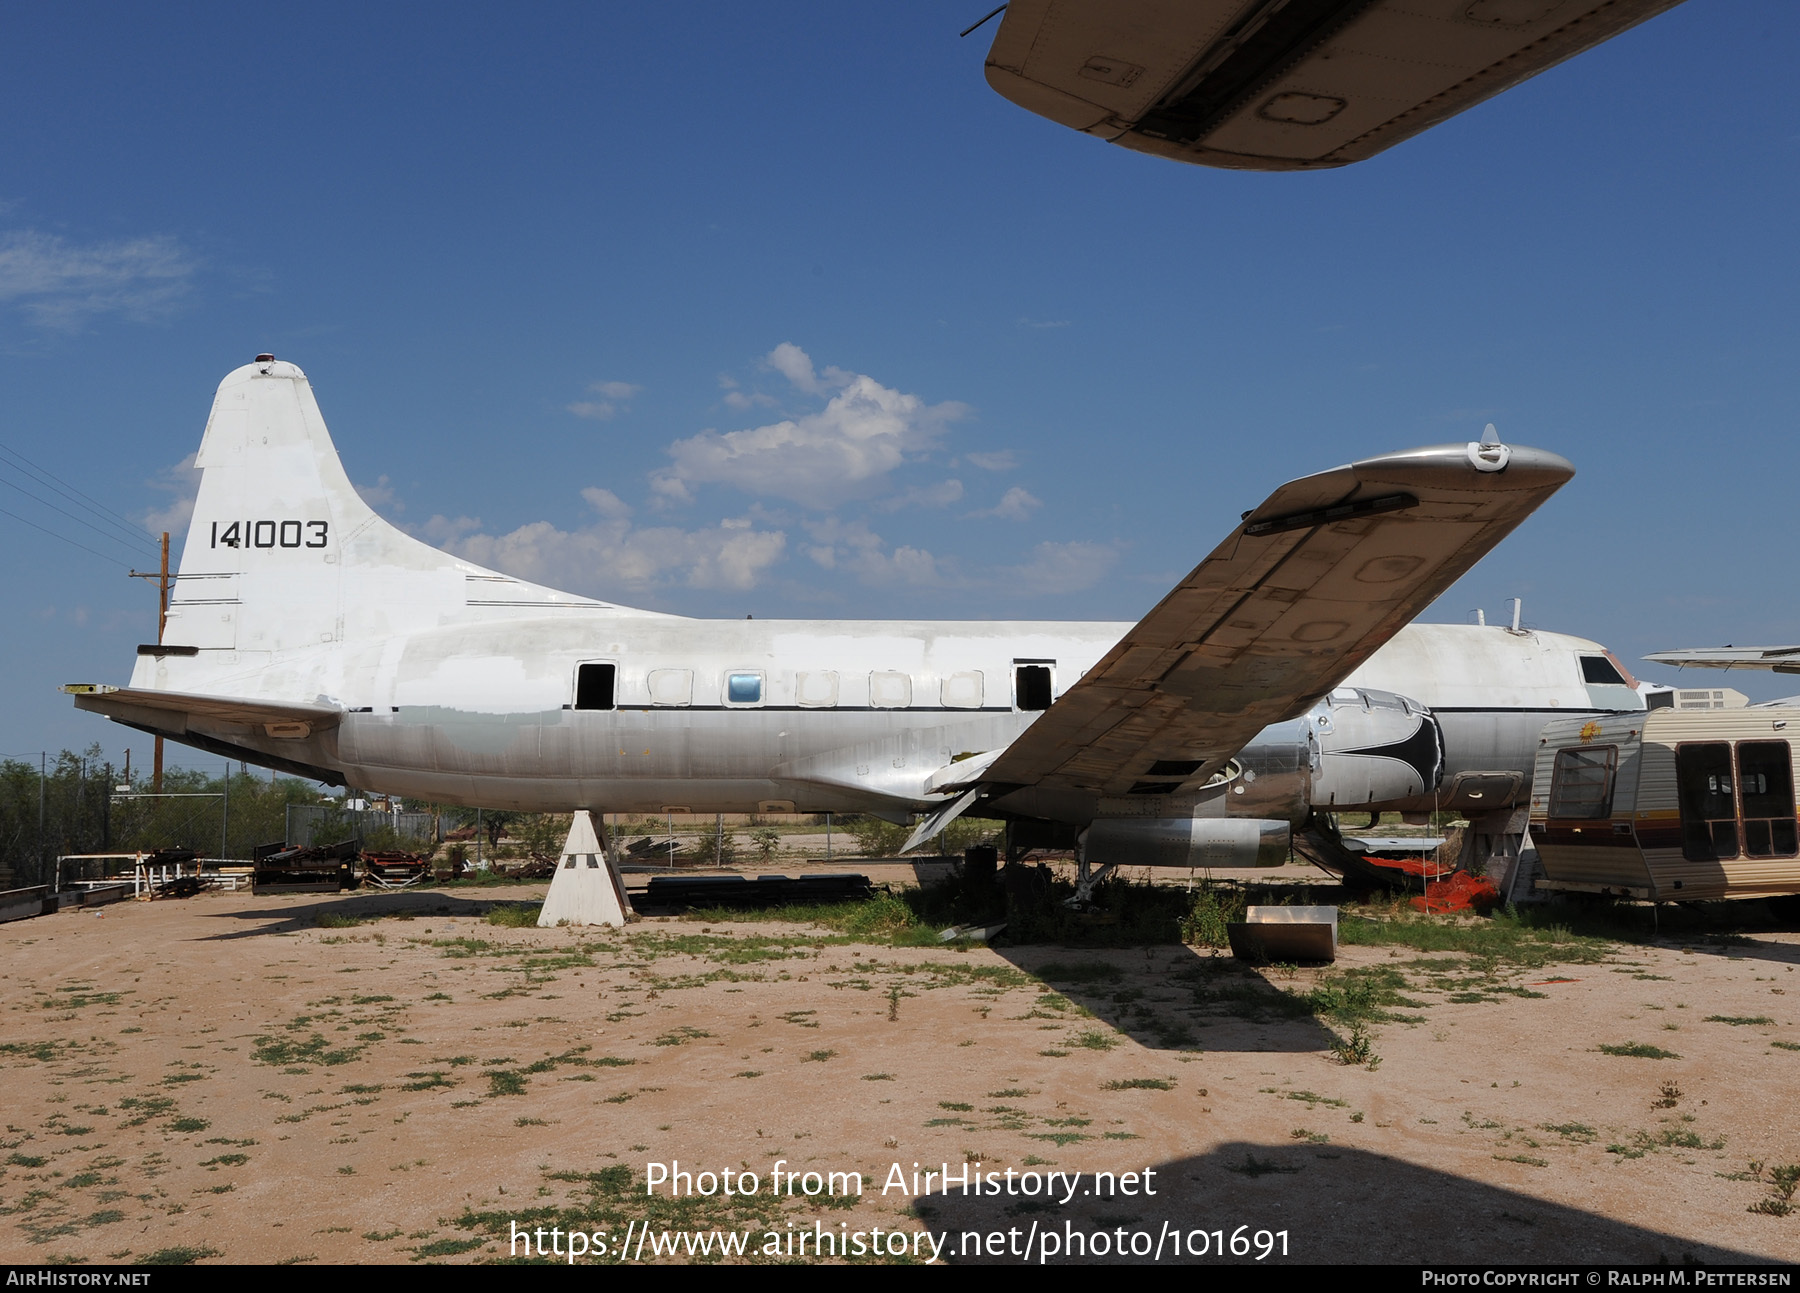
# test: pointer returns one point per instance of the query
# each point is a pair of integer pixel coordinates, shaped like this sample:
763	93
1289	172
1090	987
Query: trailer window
1766	788
1708	800
1581	785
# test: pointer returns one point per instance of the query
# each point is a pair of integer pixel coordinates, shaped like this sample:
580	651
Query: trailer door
1732	805
1709	824
1766	788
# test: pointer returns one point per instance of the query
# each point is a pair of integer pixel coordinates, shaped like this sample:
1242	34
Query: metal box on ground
1285	934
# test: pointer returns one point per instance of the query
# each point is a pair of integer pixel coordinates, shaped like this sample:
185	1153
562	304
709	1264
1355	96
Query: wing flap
1306	589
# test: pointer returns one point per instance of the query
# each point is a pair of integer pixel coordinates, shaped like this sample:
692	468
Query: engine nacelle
1374	747
1186	842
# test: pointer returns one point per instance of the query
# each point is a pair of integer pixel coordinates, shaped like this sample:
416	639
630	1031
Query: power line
107	535
65	538
48	478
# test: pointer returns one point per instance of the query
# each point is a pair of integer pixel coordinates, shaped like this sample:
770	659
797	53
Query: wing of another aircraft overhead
1327	569
1779	659
1280	85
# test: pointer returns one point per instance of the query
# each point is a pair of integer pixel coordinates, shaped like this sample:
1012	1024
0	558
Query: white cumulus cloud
864	432
612	395
1017	504
1061	567
851	546
612	554
796	365
181	484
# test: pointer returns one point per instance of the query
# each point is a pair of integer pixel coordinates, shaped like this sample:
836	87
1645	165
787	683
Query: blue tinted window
743	688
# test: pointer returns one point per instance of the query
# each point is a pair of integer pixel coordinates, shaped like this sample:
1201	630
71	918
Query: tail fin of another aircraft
283	553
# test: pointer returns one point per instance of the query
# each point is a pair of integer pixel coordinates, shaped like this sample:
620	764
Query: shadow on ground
292	917
1326	1203
1179	998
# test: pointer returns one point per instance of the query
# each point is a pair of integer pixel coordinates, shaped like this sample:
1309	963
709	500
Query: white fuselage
850	715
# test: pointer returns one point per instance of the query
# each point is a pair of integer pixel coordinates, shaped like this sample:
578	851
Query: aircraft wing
1779	659
1327	569
174	712
1278	85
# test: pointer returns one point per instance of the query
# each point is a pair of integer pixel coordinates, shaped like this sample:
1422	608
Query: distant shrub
876	838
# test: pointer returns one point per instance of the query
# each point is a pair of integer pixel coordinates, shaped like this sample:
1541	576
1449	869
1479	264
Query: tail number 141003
272	534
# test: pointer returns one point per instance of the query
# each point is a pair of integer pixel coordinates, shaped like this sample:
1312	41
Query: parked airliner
1279	678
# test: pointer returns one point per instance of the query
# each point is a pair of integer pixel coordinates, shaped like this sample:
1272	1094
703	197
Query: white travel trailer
1669	805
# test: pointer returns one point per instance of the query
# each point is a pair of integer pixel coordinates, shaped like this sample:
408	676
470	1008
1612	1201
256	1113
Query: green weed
515	915
506	1082
1214	907
1356	1049
184	1256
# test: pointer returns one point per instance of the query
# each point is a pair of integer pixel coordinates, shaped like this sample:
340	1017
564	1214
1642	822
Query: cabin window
1031	686
594	686
671	686
1581	785
963	690
890	690
816	689
744	688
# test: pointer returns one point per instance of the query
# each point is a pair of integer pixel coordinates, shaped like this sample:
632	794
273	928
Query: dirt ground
224	1078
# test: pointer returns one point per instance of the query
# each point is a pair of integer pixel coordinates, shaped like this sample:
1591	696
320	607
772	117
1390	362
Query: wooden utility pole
162	622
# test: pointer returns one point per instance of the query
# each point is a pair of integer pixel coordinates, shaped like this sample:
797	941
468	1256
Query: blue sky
541	263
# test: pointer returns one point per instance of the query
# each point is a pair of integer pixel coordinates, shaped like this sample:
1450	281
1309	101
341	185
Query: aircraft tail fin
283	553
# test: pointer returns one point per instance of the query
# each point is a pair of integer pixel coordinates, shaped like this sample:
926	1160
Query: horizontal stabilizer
174	712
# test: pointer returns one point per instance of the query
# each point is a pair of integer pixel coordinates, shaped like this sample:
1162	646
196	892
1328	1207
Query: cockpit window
1598	671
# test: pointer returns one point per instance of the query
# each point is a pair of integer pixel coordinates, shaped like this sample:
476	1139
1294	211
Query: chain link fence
391	831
